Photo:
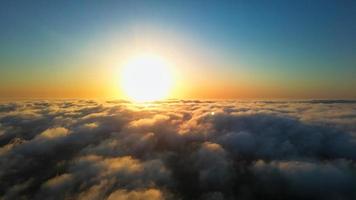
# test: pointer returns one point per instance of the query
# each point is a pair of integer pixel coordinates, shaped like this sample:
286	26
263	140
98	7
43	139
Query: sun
146	78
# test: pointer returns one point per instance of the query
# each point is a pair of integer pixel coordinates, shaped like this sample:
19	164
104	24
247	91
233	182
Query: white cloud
178	150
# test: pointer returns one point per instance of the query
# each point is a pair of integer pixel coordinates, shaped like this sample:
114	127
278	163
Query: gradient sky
220	49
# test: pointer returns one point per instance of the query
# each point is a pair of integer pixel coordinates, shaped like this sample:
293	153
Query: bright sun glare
146	78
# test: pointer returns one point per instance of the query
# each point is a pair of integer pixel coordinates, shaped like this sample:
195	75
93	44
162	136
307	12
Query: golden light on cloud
146	78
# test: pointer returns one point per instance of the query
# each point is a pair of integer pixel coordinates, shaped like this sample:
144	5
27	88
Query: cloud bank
178	150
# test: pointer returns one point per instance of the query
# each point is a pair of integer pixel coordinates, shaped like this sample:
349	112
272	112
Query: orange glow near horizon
157	66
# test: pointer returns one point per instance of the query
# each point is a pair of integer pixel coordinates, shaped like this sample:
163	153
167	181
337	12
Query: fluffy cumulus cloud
178	150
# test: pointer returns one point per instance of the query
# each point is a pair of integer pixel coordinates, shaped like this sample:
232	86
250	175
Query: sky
218	49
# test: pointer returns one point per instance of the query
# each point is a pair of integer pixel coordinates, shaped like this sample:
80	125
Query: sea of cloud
178	149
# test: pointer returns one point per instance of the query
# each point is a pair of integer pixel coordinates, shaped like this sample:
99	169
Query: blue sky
284	42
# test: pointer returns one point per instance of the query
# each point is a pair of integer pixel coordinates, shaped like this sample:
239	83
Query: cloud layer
178	150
